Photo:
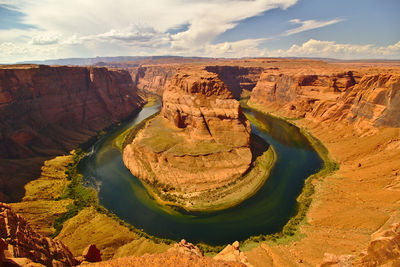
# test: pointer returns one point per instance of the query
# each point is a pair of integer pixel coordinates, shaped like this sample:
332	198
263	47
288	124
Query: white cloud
76	28
21	51
330	49
306	25
140	25
242	48
45	39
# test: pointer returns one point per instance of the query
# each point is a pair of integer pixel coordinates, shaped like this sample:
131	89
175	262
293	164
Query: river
264	213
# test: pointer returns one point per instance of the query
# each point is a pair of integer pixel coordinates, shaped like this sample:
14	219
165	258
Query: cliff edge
196	147
46	111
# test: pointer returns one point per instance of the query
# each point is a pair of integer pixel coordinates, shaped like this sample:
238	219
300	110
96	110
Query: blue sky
347	29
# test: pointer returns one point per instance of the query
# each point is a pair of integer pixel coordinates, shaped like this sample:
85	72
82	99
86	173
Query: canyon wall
156	78
364	98
46	111
237	78
153	78
199	142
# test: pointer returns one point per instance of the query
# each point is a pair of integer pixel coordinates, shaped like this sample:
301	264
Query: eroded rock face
21	244
233	254
237	78
384	247
46	111
199	142
362	98
153	78
203	106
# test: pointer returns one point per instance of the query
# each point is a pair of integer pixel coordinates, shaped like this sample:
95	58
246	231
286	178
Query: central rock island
196	153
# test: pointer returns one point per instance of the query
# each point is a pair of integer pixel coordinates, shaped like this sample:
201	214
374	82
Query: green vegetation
304	200
152	100
127	137
87	197
82	196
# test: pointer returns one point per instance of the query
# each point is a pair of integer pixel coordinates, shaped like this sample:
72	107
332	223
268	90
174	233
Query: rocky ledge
197	146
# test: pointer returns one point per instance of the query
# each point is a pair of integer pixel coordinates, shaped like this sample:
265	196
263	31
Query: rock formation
384	247
154	79
237	78
170	259
91	254
200	141
46	111
361	98
232	253
21	245
186	248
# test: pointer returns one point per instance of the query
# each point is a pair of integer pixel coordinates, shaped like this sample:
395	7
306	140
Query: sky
343	29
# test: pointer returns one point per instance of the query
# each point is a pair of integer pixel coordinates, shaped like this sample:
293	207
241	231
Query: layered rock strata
199	142
366	99
237	78
154	79
46	111
21	245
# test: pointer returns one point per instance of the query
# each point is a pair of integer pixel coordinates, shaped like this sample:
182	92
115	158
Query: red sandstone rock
232	253
369	100
384	247
237	78
91	253
203	138
46	111
186	248
25	246
153	78
170	259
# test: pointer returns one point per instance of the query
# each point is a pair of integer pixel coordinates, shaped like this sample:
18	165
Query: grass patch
82	196
127	137
87	197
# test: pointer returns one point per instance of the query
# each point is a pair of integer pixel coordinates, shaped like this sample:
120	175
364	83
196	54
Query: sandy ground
349	205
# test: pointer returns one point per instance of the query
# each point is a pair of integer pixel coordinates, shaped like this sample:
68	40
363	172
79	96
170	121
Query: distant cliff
366	99
46	111
237	78
153	78
157	78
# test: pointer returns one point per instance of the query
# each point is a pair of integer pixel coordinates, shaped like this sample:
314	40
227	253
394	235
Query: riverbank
290	231
82	224
349	204
77	220
224	197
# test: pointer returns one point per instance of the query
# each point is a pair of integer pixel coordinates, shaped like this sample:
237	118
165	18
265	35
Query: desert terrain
351	108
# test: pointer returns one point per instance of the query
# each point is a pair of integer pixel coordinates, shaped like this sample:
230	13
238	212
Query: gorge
196	154
352	109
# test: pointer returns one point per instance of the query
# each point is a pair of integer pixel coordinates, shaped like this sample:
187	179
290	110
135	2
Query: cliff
237	78
154	79
363	98
200	142
47	111
21	245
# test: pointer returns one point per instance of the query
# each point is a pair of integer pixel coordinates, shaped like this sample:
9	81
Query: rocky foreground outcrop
20	245
367	99
46	111
199	142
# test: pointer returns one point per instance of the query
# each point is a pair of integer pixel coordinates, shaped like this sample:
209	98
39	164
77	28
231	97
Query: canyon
47	111
199	144
352	109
